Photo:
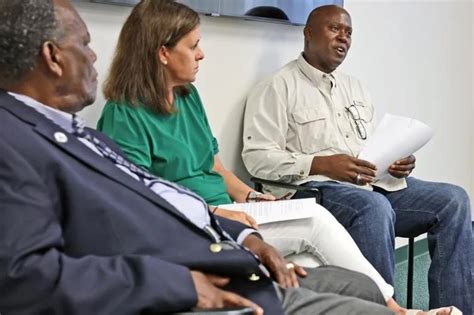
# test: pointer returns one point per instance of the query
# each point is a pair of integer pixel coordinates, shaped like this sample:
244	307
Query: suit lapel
72	146
101	165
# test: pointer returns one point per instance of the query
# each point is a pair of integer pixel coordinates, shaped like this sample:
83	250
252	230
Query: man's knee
459	197
332	279
446	196
453	201
378	208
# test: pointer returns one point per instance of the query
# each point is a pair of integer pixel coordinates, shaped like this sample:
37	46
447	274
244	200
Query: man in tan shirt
307	124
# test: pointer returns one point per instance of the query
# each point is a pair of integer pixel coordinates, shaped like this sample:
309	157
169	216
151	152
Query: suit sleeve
36	276
236	230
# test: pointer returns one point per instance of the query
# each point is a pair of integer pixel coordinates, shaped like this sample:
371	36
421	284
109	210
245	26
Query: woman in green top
178	146
156	116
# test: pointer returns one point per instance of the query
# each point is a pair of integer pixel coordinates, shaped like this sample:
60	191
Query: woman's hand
267	197
254	196
240	216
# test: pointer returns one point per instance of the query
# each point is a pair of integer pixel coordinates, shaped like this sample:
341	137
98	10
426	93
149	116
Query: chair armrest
310	191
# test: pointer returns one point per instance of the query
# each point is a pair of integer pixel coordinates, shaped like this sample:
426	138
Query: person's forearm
254	243
237	189
277	164
51	281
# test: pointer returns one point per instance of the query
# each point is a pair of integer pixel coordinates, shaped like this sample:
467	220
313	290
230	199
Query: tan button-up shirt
301	112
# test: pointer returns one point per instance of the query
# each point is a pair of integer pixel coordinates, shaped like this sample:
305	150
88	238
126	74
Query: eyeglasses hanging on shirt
358	121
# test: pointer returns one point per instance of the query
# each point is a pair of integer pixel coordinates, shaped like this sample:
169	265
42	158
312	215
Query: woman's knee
322	217
322	224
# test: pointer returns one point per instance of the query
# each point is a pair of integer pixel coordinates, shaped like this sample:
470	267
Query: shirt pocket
366	112
366	116
312	127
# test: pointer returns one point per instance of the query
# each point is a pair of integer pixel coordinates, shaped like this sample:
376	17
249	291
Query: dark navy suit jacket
79	236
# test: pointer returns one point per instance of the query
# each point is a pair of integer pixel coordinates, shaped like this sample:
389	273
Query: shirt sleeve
264	138
122	123
237	230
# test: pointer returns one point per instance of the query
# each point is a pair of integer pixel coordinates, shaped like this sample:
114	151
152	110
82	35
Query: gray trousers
333	291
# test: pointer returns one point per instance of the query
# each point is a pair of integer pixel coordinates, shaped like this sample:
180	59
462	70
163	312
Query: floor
420	276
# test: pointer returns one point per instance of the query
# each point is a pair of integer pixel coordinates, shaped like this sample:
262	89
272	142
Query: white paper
276	211
396	137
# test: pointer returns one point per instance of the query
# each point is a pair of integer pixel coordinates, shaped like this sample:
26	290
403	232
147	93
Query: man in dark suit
83	231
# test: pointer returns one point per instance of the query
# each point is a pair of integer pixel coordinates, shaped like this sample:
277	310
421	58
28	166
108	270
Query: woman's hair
136	74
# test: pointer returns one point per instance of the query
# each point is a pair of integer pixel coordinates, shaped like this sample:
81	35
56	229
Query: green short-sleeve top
179	147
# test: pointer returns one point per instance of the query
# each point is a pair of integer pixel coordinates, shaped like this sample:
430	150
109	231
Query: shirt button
301	172
249	137
254	277
347	136
338	114
215	248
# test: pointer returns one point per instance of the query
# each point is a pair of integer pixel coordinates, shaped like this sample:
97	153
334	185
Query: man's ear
308	33
162	55
51	55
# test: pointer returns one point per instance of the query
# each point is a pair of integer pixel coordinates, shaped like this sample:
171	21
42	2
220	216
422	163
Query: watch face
252	196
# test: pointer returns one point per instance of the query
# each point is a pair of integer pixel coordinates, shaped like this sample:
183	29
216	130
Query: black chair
312	192
411	256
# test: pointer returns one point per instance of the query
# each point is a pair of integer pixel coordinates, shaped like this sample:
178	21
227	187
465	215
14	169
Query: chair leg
411	245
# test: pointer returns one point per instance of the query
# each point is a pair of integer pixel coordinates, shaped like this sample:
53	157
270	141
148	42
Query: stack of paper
394	138
275	211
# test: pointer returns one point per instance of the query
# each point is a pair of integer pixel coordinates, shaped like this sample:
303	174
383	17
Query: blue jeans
374	218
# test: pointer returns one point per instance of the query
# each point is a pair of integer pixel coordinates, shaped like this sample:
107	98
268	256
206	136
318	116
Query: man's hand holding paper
345	168
402	168
393	143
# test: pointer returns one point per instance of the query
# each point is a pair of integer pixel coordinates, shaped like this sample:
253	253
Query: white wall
472	81
416	58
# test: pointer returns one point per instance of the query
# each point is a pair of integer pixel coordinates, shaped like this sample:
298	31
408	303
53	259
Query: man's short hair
268	12
25	25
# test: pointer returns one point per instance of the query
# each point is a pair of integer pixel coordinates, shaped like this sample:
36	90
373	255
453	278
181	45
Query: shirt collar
60	118
316	76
